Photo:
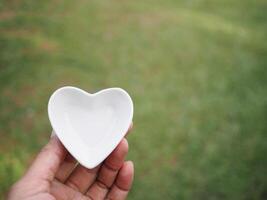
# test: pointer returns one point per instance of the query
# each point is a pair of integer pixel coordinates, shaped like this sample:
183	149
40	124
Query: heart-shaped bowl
90	126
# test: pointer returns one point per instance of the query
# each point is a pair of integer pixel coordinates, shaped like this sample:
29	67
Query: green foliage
195	69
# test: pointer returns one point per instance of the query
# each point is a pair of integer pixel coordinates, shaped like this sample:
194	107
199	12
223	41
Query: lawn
196	70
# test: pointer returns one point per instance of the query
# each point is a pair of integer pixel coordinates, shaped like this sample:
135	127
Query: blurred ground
196	70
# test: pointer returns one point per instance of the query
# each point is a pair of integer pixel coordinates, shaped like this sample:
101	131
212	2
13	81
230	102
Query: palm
56	175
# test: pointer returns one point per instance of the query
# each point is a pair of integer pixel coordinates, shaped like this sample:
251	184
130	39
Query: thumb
48	160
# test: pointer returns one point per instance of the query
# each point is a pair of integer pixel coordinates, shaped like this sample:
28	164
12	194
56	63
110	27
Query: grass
196	71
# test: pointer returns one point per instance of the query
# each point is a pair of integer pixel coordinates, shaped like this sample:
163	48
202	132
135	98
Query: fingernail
129	162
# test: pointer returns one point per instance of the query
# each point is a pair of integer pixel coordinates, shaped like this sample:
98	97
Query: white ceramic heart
90	126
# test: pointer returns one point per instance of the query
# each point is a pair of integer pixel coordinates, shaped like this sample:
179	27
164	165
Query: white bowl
90	126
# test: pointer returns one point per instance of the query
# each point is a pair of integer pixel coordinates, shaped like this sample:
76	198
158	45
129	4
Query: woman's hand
55	174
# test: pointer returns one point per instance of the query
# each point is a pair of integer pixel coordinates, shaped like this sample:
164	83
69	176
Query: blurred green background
196	70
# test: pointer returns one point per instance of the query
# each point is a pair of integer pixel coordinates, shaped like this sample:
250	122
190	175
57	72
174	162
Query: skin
56	175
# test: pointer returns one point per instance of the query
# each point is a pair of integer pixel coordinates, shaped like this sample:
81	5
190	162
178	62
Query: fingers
120	189
69	164
66	168
81	178
116	158
108	172
48	160
113	163
63	192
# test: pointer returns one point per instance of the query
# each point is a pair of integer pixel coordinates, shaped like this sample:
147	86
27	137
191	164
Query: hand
55	174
